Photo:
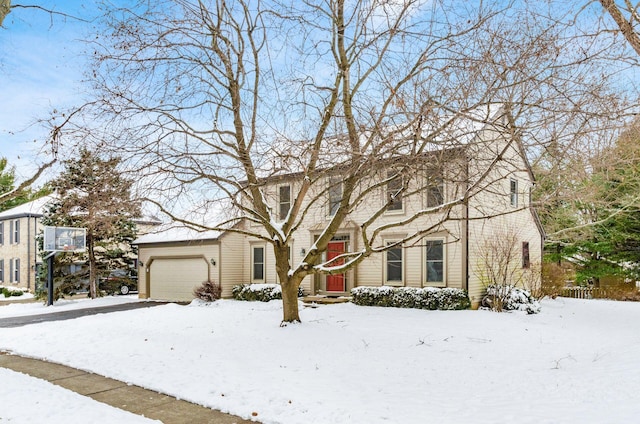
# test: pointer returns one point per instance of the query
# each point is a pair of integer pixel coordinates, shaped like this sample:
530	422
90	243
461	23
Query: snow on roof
176	232
33	208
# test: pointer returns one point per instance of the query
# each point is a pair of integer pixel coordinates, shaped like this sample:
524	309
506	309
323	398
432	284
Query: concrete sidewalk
130	398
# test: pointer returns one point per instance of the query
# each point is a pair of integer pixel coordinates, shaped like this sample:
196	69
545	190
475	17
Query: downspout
29	252
466	227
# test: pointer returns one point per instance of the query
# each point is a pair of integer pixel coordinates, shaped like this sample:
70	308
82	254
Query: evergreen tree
92	194
7	185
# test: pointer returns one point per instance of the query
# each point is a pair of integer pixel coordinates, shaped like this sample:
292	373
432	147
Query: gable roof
35	208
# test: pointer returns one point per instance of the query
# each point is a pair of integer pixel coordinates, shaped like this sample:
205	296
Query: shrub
554	279
510	298
8	292
259	292
208	291
411	297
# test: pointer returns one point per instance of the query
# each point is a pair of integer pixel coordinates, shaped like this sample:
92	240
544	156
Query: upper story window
284	201
513	192
435	189
394	191
1	233
335	194
14	232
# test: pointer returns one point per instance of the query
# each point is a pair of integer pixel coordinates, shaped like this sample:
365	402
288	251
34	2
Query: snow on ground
576	361
29	400
37	308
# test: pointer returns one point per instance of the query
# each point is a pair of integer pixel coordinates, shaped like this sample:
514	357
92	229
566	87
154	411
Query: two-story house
19	254
436	224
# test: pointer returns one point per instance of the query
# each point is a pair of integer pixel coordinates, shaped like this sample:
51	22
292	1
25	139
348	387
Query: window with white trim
394	191
14	265
434	261
284	201
394	263
1	270
513	192
257	263
1	233
435	189
335	194
14	231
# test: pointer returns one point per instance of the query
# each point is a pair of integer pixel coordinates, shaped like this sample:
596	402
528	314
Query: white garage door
174	279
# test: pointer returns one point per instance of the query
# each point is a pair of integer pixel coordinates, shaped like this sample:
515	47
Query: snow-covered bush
8	292
411	297
208	291
259	292
510	298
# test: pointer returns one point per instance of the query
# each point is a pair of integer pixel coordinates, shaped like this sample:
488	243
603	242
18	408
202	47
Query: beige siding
26	251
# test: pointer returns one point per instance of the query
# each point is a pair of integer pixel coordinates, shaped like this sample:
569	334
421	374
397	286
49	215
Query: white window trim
428	186
386	197
386	281
264	263
278	187
511	193
443	283
330	184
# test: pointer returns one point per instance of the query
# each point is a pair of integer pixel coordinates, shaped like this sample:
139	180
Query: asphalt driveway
76	313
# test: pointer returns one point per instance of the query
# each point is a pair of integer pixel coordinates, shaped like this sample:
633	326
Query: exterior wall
371	272
506	221
26	251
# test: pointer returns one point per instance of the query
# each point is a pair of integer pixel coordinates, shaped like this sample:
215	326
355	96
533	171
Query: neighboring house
449	256
20	258
19	254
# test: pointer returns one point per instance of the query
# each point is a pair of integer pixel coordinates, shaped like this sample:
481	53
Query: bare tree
628	24
210	100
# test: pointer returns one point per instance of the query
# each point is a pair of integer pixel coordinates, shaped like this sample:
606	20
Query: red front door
335	282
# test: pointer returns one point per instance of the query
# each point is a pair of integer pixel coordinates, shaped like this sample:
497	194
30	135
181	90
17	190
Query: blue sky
41	67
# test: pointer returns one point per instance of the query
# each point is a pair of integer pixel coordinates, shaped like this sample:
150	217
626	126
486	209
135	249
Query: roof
176	233
285	158
34	208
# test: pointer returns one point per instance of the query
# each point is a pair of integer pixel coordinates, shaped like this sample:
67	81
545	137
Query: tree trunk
290	301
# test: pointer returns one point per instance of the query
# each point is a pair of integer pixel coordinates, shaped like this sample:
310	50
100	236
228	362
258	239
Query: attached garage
175	278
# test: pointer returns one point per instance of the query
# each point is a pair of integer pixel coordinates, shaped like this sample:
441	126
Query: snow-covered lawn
37	308
576	361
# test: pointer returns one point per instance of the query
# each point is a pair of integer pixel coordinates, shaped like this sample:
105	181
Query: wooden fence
583	292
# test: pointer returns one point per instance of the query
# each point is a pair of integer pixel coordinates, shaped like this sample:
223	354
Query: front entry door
335	282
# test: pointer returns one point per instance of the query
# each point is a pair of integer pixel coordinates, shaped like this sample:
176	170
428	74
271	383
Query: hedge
412	297
259	292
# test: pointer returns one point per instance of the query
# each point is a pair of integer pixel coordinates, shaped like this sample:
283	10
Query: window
14	265
394	192
284	201
526	263
258	263
434	253
335	194
435	190
1	233
1	270
513	192
394	263
14	232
